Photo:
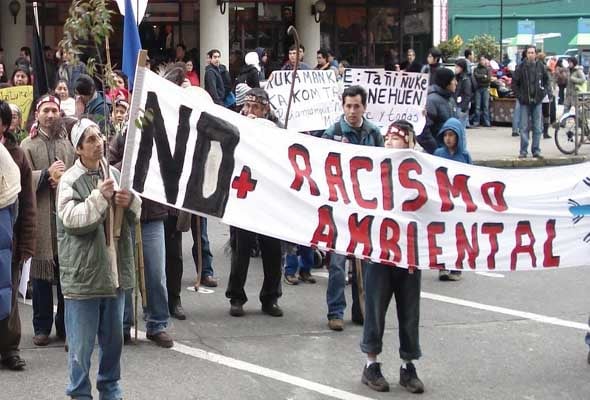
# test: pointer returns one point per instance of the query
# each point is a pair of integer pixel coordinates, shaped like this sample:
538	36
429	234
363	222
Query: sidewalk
495	147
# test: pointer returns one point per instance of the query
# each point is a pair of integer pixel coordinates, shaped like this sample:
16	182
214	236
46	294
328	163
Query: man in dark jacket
530	83
411	64
482	75
433	64
256	106
217	79
91	99
463	92
23	242
439	107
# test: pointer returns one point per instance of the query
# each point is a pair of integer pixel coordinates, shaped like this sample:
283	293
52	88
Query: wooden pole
141	62
199	252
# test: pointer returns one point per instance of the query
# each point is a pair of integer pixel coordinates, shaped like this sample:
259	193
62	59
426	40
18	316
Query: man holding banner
256	106
381	283
353	128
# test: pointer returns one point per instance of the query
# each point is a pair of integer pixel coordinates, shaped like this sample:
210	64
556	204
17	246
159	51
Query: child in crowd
120	115
382	283
452	135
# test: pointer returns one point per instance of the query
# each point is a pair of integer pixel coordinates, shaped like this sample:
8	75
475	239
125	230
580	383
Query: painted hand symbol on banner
244	183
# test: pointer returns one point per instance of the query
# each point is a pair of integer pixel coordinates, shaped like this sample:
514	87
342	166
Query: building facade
473	17
363	32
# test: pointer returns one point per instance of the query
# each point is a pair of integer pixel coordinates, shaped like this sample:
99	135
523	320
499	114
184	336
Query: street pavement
512	335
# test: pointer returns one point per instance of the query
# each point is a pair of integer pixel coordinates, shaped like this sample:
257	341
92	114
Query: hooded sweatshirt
461	154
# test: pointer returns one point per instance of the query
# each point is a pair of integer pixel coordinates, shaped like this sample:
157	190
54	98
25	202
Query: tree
484	45
450	48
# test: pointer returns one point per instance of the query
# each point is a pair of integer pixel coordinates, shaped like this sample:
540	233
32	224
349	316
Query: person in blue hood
454	147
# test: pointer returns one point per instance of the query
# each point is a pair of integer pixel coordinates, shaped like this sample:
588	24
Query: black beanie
443	76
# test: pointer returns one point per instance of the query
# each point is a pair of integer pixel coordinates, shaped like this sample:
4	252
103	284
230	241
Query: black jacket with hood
439	108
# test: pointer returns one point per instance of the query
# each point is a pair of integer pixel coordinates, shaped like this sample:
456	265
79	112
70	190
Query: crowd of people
62	194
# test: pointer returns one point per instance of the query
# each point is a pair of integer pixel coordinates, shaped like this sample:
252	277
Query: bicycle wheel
565	136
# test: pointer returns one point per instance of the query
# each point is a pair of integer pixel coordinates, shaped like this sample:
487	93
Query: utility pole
501	25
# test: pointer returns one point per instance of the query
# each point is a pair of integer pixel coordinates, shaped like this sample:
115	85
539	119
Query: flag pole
36	22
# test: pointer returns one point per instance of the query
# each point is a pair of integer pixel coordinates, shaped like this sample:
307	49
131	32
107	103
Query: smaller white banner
392	95
316	98
24	278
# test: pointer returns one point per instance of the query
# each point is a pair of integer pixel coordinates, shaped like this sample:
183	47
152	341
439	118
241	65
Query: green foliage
450	48
486	45
87	30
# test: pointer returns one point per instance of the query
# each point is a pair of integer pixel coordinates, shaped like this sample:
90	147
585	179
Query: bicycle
573	129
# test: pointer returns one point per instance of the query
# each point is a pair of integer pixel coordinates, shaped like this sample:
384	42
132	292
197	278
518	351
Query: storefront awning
581	39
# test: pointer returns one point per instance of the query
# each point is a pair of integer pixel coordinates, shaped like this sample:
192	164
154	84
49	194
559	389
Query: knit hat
9	178
78	130
443	76
241	90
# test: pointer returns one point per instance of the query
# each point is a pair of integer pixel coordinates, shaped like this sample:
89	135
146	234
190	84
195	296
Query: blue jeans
533	111
156	312
298	257
588	333
85	320
128	311
516	117
336	283
205	247
482	106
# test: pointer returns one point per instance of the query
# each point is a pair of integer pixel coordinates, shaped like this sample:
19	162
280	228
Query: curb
517	163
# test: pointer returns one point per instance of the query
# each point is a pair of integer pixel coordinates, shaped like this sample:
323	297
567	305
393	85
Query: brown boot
162	339
41	340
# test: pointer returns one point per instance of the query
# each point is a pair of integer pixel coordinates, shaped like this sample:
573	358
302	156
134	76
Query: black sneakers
272	309
409	379
373	378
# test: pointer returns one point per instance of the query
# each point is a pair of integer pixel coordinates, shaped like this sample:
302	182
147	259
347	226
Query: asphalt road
520	335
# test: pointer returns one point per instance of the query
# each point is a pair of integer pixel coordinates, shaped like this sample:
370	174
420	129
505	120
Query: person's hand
107	188
53	182
57	166
123	198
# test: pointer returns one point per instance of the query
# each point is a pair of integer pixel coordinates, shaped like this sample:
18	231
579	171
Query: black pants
381	283
10	330
173	240
43	306
241	243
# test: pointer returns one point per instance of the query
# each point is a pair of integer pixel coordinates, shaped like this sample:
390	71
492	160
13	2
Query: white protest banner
395	206
316	101
392	95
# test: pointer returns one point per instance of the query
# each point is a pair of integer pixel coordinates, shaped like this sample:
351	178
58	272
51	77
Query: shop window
384	36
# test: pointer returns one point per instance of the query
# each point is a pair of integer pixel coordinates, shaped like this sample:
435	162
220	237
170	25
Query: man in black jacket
463	92
217	79
482	75
439	107
530	83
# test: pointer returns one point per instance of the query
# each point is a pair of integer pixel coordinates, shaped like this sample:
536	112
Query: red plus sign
244	183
